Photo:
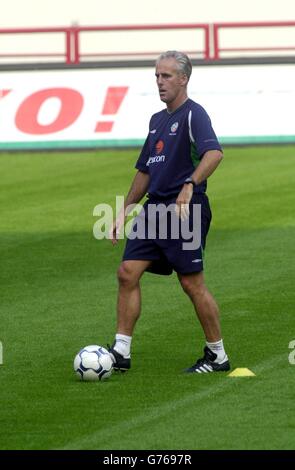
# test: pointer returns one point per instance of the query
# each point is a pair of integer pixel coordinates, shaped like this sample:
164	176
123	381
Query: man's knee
193	284
127	277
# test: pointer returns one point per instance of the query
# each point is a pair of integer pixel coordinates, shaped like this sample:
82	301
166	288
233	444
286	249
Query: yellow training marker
241	372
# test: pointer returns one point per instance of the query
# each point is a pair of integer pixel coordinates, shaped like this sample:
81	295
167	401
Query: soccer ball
93	363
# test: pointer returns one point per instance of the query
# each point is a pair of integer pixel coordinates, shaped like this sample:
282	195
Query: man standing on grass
179	154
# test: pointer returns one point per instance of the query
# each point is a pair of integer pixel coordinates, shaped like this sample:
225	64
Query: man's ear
183	79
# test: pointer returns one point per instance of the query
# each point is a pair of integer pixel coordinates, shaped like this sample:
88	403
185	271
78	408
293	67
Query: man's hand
183	200
116	227
136	192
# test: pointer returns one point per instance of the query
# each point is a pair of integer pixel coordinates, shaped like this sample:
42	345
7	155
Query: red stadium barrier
211	48
30	31
72	35
223	26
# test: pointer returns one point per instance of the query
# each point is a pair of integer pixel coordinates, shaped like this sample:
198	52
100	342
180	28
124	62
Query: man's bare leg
204	303
128	310
129	295
208	315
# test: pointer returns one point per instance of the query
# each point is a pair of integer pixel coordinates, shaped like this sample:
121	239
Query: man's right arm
136	192
138	188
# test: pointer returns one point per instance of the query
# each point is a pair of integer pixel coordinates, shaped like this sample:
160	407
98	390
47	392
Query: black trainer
120	362
206	364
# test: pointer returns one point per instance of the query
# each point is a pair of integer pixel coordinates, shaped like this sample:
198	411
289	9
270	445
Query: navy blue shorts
167	253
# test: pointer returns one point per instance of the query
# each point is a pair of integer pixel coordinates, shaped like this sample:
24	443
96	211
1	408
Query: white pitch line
161	410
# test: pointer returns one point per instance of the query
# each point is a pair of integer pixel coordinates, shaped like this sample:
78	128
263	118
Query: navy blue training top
174	147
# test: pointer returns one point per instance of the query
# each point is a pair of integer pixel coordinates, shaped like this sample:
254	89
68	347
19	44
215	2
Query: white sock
123	345
218	349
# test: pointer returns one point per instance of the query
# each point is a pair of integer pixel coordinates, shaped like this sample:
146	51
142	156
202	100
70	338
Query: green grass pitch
58	294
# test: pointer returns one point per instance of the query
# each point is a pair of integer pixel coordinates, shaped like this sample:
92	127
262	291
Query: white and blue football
93	363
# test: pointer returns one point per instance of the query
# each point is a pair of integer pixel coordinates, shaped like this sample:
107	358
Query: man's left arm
206	167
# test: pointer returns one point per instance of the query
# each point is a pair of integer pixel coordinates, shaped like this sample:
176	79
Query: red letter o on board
71	106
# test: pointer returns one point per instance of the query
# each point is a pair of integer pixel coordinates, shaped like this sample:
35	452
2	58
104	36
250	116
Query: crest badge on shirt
159	146
173	128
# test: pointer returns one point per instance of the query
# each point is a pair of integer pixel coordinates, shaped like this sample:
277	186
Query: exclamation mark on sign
113	101
4	93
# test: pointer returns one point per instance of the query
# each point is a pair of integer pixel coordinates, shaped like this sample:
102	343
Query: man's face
170	81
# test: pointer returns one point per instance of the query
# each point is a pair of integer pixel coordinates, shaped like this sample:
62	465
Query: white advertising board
112	107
